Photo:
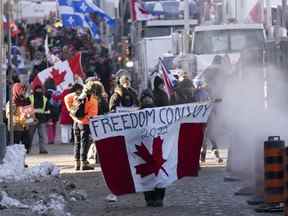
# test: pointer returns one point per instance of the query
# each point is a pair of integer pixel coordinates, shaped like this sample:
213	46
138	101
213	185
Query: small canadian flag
63	73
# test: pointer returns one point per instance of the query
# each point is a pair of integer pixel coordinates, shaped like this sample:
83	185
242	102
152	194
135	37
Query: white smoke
254	107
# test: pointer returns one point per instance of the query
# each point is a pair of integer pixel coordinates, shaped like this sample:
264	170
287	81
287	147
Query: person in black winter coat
153	198
159	95
124	95
184	90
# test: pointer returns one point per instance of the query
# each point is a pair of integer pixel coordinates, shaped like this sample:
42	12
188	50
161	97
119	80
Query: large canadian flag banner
149	148
63	73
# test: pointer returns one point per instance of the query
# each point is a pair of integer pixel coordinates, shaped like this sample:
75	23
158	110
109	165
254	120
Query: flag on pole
89	7
73	18
63	73
139	13
168	78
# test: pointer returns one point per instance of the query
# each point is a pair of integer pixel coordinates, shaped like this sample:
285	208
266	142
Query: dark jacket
103	106
40	104
160	98
125	97
184	92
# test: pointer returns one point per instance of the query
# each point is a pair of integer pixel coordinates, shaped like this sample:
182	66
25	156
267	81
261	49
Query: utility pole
10	75
2	85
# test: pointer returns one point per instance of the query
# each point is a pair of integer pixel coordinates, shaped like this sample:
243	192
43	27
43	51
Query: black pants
24	138
81	141
157	194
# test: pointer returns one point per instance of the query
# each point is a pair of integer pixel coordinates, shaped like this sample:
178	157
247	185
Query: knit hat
157	82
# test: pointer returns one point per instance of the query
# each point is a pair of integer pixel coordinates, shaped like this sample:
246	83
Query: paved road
206	195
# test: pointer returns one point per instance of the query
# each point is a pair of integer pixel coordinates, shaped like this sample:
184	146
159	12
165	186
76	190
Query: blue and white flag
88	6
94	30
73	20
72	17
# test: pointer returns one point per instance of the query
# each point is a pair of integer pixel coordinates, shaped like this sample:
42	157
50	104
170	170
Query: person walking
87	99
40	102
124	95
155	197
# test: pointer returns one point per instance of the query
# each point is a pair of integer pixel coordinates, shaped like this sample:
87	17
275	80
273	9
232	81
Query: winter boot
85	166
77	165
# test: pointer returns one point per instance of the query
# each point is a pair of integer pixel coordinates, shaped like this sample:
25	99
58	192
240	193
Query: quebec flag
73	16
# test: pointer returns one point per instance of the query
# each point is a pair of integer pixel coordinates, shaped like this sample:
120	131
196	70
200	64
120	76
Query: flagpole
2	90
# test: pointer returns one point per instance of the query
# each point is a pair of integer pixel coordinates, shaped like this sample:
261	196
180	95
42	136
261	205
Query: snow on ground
8	202
54	205
13	169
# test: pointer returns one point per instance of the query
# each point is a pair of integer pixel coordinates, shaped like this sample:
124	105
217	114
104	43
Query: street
206	195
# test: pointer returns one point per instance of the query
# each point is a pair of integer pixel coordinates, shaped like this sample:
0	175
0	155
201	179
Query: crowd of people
38	110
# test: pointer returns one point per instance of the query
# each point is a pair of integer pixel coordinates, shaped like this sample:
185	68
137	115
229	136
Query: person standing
160	96
66	121
53	106
39	102
23	116
184	90
81	124
124	95
155	197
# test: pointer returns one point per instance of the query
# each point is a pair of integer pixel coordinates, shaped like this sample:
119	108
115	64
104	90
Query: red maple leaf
153	161
57	76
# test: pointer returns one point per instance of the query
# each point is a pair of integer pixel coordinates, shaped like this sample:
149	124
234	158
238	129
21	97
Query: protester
40	104
124	95
53	107
103	108
153	198
81	124
160	96
23	116
66	122
184	89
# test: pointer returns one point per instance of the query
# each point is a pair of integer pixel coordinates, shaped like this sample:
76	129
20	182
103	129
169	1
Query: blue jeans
41	130
81	141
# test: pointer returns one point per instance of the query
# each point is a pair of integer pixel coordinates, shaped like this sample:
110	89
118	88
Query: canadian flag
168	78
139	13
134	161
63	73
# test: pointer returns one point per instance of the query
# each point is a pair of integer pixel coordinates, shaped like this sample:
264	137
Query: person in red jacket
66	121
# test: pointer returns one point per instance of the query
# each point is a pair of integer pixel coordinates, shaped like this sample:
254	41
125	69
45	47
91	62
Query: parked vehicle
227	41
